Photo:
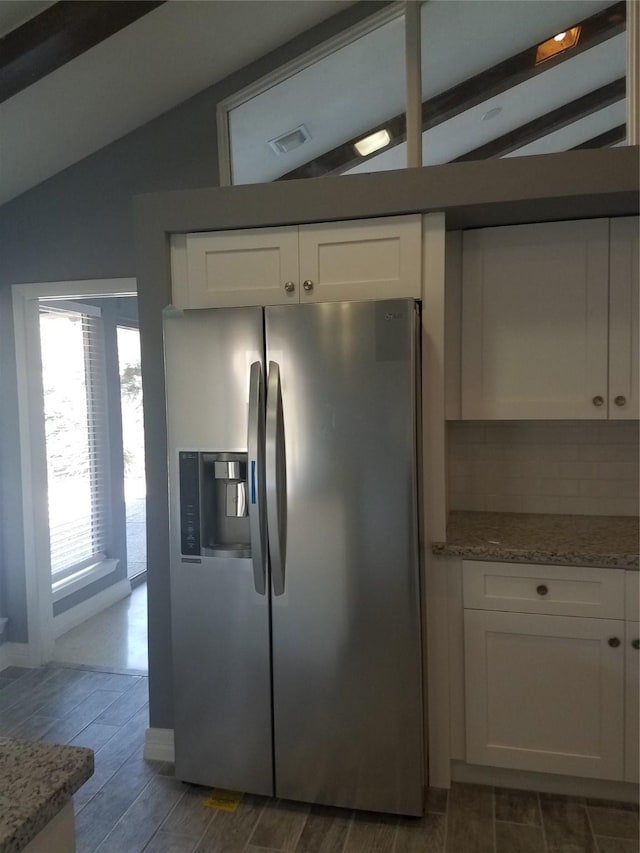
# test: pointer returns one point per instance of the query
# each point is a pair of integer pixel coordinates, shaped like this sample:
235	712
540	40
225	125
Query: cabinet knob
289	286
542	589
598	400
614	642
308	285
635	644
620	400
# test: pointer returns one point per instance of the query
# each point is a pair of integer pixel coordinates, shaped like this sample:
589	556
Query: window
76	436
497	79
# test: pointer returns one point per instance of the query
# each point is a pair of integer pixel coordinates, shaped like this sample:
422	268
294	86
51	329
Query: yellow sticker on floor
227	801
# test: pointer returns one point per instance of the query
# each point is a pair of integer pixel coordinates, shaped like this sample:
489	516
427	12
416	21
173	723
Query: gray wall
78	225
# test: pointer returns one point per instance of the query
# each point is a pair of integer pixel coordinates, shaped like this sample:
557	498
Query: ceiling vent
290	140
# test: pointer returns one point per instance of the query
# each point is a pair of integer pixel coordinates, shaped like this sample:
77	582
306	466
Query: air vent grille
290	140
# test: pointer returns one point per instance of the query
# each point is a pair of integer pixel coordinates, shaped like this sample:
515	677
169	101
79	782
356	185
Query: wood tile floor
131	805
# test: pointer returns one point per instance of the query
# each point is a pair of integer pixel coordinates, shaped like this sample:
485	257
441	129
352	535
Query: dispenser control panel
190	503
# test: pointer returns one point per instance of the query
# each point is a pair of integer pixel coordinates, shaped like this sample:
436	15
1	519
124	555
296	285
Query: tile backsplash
572	467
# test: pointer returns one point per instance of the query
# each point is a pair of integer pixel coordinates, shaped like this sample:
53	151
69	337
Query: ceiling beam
604	140
487	84
59	34
549	122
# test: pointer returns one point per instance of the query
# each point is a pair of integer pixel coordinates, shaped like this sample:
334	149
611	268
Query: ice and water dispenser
214	512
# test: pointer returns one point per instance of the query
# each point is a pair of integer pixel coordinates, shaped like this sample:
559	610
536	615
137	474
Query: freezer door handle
255	447
276	479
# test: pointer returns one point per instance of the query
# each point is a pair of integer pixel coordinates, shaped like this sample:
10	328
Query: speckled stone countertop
36	782
578	540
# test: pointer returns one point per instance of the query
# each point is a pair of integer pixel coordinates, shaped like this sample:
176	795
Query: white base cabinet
545	693
551	669
632	651
632	711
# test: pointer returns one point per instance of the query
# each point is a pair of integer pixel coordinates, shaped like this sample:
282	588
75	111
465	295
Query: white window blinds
73	378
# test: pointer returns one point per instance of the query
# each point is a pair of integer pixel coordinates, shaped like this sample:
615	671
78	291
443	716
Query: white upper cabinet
623	319
372	259
237	268
534	321
363	259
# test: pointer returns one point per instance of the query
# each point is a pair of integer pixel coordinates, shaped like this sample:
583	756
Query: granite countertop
36	782
578	540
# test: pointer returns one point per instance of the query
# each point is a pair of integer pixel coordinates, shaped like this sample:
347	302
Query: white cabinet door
361	259
534	321
236	268
623	319
632	715
545	693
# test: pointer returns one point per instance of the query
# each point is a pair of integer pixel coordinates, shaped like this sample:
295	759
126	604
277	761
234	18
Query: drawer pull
636	644
598	401
542	589
614	642
620	400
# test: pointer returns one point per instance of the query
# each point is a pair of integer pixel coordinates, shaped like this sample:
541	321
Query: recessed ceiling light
372	143
492	113
290	140
556	44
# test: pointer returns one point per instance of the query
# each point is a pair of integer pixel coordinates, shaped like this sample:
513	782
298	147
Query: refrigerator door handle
276	479
255	447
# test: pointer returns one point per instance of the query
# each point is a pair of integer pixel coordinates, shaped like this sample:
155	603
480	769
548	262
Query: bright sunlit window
76	436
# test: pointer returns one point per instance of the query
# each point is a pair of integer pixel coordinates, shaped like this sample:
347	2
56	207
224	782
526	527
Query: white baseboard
159	745
17	654
552	783
91	607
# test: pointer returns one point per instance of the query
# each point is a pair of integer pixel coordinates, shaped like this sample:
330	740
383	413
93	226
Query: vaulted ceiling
75	76
135	74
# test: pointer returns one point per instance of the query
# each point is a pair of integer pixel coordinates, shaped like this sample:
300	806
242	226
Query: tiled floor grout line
304	823
200	838
542	826
255	823
446	823
93	796
348	833
495	829
590	825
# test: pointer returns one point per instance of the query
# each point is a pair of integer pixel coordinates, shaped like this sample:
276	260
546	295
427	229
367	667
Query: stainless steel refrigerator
294	551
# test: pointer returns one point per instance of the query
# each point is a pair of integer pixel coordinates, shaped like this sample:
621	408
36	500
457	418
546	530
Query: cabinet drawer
561	590
632	592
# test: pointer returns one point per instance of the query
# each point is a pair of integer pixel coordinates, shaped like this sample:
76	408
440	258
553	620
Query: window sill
62	588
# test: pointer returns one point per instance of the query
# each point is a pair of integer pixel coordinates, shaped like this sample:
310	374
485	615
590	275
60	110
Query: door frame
33	458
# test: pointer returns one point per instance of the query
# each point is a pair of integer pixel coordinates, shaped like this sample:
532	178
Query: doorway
128	339
81	415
